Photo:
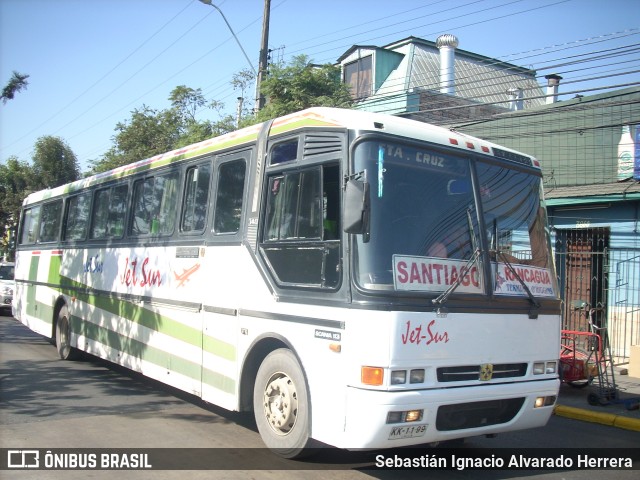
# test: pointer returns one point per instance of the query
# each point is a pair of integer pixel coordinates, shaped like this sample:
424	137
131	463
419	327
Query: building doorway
581	260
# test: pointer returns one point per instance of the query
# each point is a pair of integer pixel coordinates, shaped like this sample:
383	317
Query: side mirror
356	208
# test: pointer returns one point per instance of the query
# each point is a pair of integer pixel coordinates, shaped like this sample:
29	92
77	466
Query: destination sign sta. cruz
425	159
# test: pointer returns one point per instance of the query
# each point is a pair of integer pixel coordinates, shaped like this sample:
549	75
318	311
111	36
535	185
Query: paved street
50	404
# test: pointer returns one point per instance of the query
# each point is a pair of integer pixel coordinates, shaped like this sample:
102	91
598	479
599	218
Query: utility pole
264	54
239	111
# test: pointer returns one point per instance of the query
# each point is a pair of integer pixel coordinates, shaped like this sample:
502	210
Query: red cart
580	357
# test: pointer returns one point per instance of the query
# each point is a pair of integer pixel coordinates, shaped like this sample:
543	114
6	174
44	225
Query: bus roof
313	117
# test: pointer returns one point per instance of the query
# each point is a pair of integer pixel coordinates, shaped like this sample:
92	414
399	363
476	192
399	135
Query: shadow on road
51	387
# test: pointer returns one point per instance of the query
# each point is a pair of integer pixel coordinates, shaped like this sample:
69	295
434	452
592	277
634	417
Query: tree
54	163
240	82
199	131
290	88
16	179
187	102
17	83
300	85
149	132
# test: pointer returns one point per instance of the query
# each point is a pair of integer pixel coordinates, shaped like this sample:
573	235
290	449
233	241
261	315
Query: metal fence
600	287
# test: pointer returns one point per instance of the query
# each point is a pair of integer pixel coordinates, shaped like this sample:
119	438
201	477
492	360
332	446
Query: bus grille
472	372
477	414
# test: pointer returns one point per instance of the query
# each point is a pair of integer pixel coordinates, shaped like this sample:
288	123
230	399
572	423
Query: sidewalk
573	403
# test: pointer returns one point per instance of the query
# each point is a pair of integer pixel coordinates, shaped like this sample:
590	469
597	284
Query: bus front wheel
281	404
63	335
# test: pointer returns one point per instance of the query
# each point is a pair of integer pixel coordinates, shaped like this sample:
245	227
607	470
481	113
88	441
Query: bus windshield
424	224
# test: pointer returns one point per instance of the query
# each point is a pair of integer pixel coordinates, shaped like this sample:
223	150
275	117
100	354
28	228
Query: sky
92	62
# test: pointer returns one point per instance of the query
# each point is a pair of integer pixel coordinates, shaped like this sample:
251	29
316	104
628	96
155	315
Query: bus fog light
398	377
544	401
395	417
552	367
413	416
416	376
405	417
538	368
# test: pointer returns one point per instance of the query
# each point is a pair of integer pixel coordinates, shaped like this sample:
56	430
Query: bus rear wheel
281	405
63	335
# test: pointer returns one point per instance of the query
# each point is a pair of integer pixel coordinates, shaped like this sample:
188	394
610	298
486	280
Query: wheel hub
281	403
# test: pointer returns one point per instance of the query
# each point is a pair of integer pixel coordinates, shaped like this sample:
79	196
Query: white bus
357	279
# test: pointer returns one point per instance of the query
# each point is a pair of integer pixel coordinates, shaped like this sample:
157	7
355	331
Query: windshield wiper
442	298
472	231
533	313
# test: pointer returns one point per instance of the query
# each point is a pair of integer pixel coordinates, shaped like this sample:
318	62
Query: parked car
7	286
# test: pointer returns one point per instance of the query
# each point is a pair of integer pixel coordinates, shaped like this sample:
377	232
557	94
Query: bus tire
63	335
281	405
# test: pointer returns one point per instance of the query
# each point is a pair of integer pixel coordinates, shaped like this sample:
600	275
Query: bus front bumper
376	419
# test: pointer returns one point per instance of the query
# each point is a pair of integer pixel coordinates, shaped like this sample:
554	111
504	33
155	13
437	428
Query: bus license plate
407	432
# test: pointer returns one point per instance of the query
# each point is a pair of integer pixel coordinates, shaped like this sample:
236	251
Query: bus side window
154	205
331	203
293	209
284	152
301	234
196	198
229	198
31	219
77	217
109	211
50	222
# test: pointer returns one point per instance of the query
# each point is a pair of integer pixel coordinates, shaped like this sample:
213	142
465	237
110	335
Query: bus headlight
549	367
398	377
416	375
375	376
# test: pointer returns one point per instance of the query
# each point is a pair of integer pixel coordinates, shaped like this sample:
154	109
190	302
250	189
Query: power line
342	39
103	77
200	58
448	19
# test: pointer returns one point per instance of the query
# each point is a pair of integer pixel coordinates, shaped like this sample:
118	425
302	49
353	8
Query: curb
610	419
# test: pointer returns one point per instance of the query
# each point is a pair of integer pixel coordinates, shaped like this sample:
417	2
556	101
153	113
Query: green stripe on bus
231	143
304	122
218	381
219	348
160	323
32	303
135	348
154	355
55	262
33	268
133	312
149	165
